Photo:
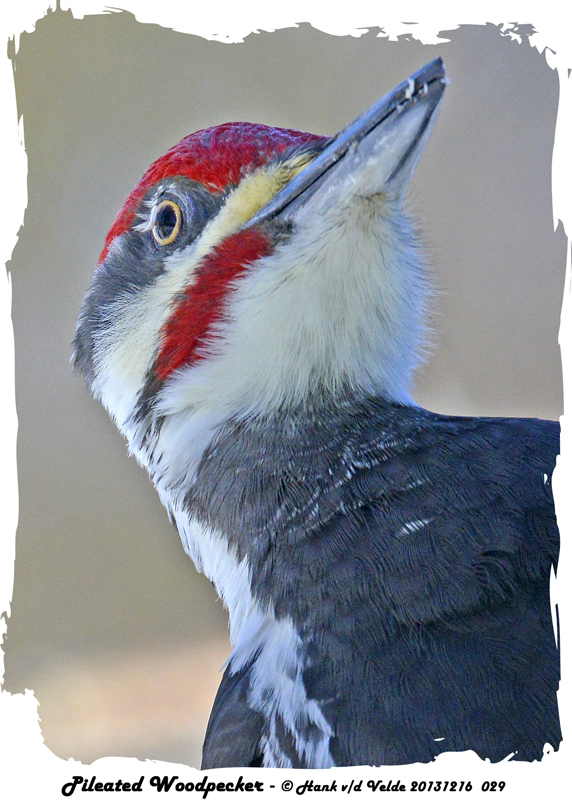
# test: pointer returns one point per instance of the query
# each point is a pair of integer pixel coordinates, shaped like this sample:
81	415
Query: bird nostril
167	220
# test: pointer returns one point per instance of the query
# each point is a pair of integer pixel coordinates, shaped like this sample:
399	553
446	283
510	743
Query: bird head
254	269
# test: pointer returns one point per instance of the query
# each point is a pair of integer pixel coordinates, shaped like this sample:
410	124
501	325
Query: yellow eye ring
167	220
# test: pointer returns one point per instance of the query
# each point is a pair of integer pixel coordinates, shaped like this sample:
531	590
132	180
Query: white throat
340	304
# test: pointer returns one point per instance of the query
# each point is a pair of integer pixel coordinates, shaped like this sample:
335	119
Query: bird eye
167	219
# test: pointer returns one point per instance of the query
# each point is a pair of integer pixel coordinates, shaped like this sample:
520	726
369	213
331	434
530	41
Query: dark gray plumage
418	641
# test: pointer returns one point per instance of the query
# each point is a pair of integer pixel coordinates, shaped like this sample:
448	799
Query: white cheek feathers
340	304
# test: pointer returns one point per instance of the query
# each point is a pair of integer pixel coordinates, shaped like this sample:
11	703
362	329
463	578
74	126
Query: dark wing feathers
233	734
413	553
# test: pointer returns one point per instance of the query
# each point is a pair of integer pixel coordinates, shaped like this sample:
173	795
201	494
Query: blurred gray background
111	626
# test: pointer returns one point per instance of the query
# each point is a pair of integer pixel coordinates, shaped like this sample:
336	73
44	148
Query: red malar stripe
203	301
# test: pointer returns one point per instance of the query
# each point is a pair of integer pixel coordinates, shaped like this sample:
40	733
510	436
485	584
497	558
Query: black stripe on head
135	260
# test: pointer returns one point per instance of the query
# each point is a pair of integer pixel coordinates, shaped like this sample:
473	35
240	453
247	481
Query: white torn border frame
27	768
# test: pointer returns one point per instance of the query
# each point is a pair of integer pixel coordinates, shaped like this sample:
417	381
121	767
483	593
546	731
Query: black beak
376	153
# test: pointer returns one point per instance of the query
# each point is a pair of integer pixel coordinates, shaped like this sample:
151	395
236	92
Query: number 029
493	786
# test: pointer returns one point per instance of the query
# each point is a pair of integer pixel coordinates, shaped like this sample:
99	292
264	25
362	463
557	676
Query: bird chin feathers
339	305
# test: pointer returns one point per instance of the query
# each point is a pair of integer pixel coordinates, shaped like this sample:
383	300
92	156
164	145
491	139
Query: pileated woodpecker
251	328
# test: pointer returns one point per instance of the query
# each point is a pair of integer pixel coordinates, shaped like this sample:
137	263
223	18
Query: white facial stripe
124	353
341	302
